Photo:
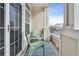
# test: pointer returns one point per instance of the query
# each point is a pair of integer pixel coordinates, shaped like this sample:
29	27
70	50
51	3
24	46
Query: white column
23	25
30	18
6	31
45	23
65	14
70	14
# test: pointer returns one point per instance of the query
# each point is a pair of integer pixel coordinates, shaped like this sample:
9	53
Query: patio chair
34	46
35	37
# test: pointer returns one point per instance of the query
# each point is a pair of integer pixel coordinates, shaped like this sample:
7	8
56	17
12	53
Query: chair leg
43	51
30	51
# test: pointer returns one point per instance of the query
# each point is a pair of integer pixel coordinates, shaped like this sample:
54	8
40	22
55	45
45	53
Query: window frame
76	16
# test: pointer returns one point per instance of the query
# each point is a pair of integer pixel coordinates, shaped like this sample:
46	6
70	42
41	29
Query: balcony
19	21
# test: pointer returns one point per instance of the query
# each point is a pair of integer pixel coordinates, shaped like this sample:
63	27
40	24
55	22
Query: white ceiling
39	4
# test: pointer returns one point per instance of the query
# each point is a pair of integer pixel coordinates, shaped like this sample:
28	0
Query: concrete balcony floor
49	50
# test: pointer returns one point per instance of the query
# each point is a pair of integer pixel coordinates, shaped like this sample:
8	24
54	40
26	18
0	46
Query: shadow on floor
49	50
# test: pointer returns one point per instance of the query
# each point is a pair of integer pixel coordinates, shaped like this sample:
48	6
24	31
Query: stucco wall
69	14
40	20
37	18
70	38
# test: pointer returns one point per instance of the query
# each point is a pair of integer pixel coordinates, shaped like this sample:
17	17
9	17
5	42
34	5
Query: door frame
6	30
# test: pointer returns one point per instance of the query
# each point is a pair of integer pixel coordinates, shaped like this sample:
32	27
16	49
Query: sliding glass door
11	28
15	28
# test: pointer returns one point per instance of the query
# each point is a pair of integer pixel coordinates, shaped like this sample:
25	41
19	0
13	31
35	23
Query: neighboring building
59	26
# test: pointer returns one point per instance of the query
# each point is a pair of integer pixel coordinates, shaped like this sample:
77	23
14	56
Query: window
27	28
27	6
15	28
27	20
1	29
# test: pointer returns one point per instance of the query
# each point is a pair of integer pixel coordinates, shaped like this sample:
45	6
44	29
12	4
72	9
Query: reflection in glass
1	17
20	45
1	29
12	50
2	5
2	52
16	20
16	48
1	38
27	18
15	27
16	35
11	36
20	19
20	34
27	28
12	15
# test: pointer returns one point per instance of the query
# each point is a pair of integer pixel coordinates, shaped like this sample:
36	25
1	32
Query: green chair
35	37
32	46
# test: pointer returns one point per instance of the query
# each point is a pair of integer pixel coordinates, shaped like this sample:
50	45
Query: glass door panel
12	50
1	38
16	48
12	30
1	17
1	29
2	52
15	28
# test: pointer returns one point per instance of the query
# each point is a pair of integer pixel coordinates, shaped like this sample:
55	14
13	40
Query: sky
56	13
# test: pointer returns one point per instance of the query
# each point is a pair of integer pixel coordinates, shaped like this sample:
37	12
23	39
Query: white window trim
76	16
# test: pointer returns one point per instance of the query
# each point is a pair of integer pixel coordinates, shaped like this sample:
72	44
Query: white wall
40	20
37	18
69	37
71	14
